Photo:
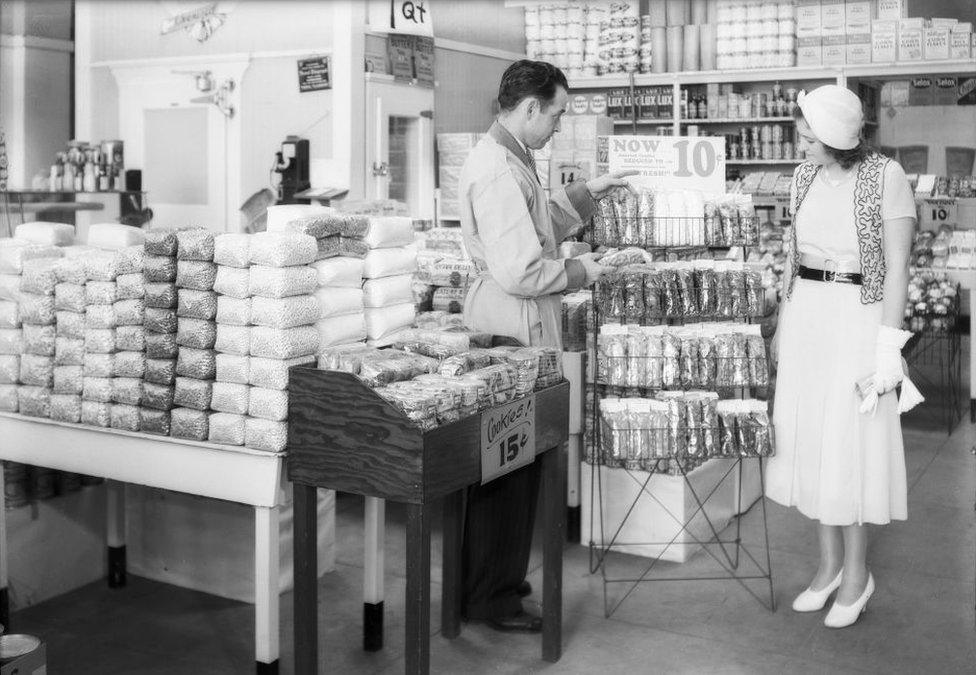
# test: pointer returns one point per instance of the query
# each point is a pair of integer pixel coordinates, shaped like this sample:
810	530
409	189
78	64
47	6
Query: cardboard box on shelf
647	104
910	40
833	17
808	19
859	48
665	103
884	41
936	43
809	52
960	41
857	16
892	9
835	50
942	22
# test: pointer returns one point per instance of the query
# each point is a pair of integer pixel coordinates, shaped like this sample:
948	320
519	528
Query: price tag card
671	162
507	438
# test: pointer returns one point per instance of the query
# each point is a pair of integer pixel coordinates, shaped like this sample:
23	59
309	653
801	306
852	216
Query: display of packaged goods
196	274
190	392
38	276
101	292
69	297
46	234
189	423
387	291
37	309
318	226
297	310
233	339
14	252
281	282
196	333
232	249
233	311
10	287
160	241
9	368
10	316
124	417
130	338
160	371
114	236
127	390
100	340
158	320
196	363
261	434
68	380
273	373
269	404
328	247
232	281
284	343
69	325
193	304
154	421
96	413
159	268
334	302
8	398
100	316
387	262
39	340
352	247
102	266
129	260
449	272
195	244
97	389
229	397
70	269
161	294
99	365
129	312
933	302
226	428
66	407
383	366
67	351
381	322
129	364
345	357
337	330
449	299
388	232
34	401
161	345
232	368
11	341
37	370
282	249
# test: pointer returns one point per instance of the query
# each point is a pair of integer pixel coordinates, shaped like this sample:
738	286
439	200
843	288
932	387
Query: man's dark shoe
522	622
524	589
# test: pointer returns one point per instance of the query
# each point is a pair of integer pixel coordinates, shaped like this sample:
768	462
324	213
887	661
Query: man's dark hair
536	79
846	158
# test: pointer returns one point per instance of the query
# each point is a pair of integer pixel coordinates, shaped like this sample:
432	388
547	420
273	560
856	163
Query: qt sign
411	17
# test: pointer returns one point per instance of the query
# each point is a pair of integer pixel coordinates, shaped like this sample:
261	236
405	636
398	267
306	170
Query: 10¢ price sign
507	438
671	162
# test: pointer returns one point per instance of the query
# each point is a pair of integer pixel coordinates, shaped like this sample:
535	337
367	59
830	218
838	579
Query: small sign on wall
314	74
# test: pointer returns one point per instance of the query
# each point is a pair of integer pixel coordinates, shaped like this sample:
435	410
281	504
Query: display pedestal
343	436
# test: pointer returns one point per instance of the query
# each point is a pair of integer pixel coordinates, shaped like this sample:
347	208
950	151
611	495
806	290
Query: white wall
928	125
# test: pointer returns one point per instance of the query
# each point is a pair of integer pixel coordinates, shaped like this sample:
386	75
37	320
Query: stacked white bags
388	270
196	333
160	326
69	343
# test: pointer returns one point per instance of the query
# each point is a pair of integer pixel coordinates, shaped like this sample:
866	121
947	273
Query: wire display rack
613	301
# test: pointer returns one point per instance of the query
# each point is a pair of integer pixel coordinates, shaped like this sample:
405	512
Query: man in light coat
512	229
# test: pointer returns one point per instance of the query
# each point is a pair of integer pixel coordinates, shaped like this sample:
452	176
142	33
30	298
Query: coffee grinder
291	162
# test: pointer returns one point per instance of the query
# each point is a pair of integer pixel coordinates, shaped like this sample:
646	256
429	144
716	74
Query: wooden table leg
553	514
115	495
306	588
451	565
417	647
267	559
373	566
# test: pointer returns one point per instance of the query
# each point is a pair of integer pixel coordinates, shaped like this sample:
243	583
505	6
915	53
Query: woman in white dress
839	458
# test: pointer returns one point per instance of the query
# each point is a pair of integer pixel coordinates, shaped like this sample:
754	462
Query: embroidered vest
867	218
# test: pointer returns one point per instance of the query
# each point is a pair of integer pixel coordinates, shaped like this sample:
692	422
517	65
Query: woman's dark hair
846	158
536	79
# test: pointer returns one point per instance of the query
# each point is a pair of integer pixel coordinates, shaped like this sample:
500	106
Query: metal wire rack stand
735	560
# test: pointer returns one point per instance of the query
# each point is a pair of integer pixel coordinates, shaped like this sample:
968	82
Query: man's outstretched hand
601	186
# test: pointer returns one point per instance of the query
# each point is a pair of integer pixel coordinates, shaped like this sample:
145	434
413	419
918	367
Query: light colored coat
512	230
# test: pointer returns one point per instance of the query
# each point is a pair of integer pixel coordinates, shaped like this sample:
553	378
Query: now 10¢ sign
671	162
507	438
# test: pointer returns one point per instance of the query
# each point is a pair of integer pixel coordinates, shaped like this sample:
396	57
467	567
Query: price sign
671	162
507	438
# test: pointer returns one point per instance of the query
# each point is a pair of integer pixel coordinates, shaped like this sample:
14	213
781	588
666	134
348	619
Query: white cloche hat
834	114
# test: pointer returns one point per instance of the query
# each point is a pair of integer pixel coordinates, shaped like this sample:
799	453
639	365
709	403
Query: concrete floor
921	619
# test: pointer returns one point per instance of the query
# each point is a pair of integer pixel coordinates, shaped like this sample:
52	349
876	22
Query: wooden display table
343	436
232	473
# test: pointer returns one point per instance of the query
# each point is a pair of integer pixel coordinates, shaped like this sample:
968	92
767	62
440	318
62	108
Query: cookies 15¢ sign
507	438
671	162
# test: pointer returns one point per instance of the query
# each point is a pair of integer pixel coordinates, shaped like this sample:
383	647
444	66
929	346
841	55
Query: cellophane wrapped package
160	294
196	304
226	428
68	380
13	254
130	260
282	282
127	390
196	274
70	325
195	244
66	408
159	268
233	281
11	341
10	315
157	396
9	368
233	311
45	233
101	266
124	416
39	276
160	371
129	312
8	398
232	368
262	434
296	310
388	262
388	291
233	339
339	272
101	292
69	297
196	333
189	423
71	270
154	421
284	343
129	364
97	389
34	401
200	364
232	249
100	316
115	237
334	301
39	340
69	352
130	338
160	241
130	286
37	370
282	249
273	373
161	345
96	413
339	330
99	365
160	320
229	397
37	309
269	404
100	340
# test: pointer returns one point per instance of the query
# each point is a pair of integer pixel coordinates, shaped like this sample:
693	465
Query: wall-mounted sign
314	74
401	16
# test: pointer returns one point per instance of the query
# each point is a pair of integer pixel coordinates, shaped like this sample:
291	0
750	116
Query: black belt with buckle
826	275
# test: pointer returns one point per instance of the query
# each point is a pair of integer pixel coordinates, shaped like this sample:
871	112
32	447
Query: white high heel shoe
813	601
841	616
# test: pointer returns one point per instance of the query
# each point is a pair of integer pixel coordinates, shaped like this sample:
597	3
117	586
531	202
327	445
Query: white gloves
890	370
